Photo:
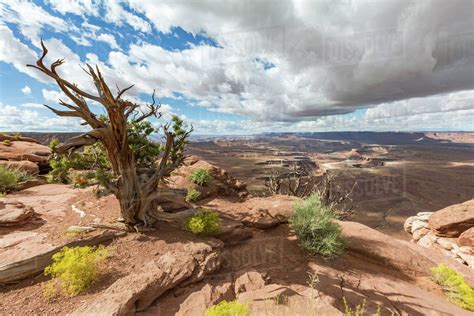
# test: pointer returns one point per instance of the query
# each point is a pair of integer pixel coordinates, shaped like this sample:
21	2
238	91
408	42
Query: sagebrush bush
192	195
11	177
203	223
7	142
8	179
315	226
454	285
76	268
225	308
200	176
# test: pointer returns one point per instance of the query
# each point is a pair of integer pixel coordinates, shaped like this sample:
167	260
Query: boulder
278	299
446	243
198	302
408	223
418	224
17	138
13	213
420	233
453	220
26	151
26	166
249	281
258	212
372	245
136	291
220	184
232	232
467	238
26	254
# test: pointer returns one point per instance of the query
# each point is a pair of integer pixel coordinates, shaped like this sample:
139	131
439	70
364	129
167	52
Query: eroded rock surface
14	213
220	184
422	232
22	152
138	290
453	220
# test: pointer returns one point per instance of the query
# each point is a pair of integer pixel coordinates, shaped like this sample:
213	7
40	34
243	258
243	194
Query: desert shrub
192	195
454	285
203	223
358	311
7	142
315	226
76	268
200	176
11	177
225	308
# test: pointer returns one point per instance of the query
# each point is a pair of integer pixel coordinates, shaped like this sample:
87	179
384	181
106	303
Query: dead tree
136	190
334	195
297	181
301	182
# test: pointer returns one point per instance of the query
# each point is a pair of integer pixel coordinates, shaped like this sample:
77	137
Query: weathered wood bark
136	191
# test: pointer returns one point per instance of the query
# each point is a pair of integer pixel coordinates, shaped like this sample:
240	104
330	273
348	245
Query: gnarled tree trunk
137	191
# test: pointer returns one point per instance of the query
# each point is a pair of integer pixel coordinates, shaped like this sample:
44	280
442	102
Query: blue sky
243	68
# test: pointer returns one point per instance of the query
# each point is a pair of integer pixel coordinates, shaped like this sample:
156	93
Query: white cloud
78	7
26	90
115	13
109	39
30	18
398	58
14	52
32	105
53	95
14	118
329	57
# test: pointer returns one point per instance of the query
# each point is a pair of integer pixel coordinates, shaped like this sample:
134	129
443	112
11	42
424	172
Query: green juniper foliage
94	158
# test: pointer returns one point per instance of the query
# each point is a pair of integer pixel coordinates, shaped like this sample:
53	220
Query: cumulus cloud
329	58
14	118
30	18
109	39
283	64
26	90
53	95
14	52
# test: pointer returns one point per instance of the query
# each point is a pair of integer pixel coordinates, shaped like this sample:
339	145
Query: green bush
203	223
10	178
225	308
7	142
315	226
200	176
76	268
192	195
454	285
